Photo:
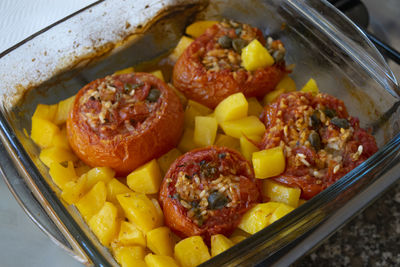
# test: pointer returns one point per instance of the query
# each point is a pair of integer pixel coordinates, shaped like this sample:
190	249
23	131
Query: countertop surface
370	239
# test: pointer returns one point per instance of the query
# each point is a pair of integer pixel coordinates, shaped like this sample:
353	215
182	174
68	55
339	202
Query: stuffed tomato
206	191
210	69
320	140
122	121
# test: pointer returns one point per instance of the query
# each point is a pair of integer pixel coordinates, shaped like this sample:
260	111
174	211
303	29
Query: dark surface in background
373	237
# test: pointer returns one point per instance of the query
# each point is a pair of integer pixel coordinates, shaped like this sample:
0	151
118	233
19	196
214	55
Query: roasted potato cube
158	74
60	139
311	86
129	234
74	190
187	143
281	211
247	147
192	110
56	154
160	241
183	43
46	112
64	107
128	256
227	141
167	159
145	179
255	108
219	243
199	27
233	107
271	96
258	217
160	261
140	210
114	188
281	193
287	84
93	201
191	251
256	56
268	163
104	224
205	130
125	71
62	175
43	132
247	126
97	174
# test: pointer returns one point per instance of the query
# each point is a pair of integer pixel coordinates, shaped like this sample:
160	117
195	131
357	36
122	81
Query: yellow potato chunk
74	190
255	108
281	211
199	27
181	96
160	241
183	43
268	163
43	131
287	84
258	217
140	210
93	201
256	56
191	251
129	256
104	223
125	71
158	74
247	147
160	261
167	159
192	110
281	193
56	154
233	107
227	141
237	239
114	188
62	175
145	179
247	126
311	86
63	110
45	112
219	243
187	143
60	139
160	214
97	174
205	130
272	96
129	234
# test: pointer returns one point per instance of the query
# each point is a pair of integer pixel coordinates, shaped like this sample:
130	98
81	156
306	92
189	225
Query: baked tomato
206	191
321	141
210	69
122	121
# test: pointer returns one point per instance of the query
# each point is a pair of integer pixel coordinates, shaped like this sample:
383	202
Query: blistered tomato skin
210	69
321	141
122	121
206	191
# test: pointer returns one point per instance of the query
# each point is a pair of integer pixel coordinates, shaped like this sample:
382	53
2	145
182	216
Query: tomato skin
300	175
223	221
124	151
211	87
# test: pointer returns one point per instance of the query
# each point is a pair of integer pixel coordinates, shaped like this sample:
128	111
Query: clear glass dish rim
388	151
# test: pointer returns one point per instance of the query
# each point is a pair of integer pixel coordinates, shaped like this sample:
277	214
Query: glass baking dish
109	35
